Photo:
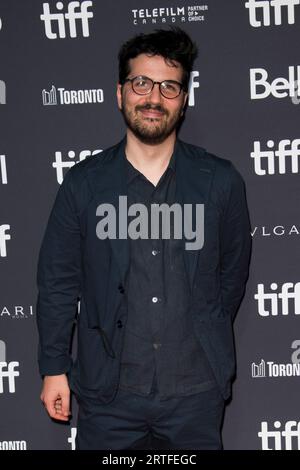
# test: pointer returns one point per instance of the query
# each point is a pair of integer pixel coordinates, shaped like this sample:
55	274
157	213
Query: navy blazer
75	264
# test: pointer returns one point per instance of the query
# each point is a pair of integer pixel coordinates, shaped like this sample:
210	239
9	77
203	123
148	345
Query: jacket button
120	324
121	288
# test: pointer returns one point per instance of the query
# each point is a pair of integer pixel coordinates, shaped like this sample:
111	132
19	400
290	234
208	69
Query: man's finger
65	404
50	407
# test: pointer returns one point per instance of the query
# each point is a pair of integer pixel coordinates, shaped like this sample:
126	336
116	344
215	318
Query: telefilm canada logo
61	96
169	15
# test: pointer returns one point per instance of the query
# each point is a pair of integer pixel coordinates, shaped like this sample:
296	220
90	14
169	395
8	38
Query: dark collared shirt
159	344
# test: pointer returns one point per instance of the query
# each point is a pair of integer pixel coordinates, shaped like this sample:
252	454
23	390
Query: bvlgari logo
273	231
16	312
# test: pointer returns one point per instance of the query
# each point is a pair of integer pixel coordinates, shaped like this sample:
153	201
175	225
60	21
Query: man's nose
155	94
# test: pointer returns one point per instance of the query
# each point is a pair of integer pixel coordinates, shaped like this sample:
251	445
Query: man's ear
119	95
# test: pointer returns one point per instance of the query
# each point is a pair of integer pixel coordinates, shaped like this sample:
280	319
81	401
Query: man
155	355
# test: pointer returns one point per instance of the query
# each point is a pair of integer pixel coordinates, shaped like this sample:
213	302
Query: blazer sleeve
59	282
235	242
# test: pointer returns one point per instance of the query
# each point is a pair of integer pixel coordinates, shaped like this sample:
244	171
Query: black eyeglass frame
153	83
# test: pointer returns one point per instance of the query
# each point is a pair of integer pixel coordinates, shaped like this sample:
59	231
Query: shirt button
156	345
154	299
154	252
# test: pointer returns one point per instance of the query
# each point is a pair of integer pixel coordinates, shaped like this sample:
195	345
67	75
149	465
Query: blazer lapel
193	181
109	182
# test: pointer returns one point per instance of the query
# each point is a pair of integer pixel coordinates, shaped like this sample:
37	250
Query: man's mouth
151	113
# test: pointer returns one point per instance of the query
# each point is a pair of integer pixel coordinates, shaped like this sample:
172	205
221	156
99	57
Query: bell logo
280	88
72	17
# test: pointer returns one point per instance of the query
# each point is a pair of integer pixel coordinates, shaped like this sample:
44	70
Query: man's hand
56	396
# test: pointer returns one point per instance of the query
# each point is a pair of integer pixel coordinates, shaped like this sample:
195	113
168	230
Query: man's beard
154	133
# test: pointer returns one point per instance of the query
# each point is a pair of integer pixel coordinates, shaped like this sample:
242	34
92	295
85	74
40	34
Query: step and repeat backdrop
58	76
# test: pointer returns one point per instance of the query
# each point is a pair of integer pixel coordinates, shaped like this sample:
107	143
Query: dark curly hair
173	44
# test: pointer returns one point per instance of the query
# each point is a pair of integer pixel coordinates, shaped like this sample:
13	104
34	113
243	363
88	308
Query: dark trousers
131	421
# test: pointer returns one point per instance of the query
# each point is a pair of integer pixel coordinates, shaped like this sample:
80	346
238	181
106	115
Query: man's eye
169	86
141	83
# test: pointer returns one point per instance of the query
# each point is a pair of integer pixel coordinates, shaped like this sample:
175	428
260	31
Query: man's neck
150	160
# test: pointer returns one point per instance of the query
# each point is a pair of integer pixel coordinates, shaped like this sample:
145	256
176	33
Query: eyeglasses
143	86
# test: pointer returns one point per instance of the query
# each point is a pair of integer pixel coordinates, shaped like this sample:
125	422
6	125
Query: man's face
152	117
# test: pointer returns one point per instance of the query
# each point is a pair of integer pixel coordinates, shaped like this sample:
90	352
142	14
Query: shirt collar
132	172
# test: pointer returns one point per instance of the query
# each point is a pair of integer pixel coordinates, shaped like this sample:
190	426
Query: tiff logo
72	438
280	87
265	7
2	92
272	161
289	436
3	171
193	84
4	236
59	164
8	370
288	299
72	17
